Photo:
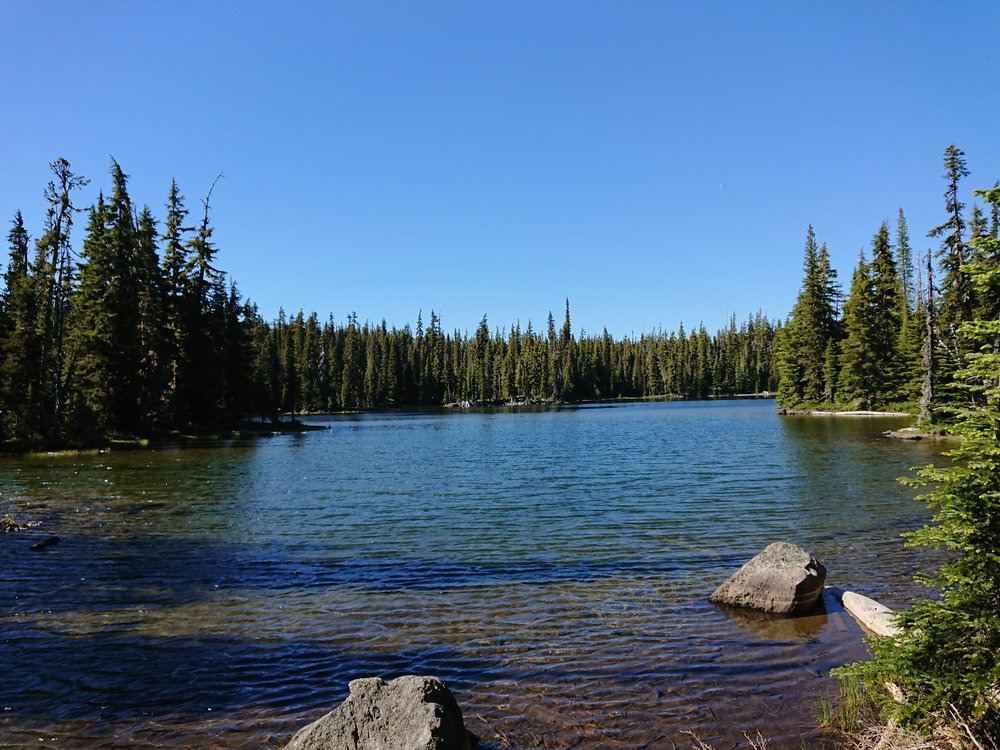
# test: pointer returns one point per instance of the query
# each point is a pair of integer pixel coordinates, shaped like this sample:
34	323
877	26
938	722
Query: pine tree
179	314
984	260
994	232
353	373
945	658
205	291
956	292
927	364
20	341
52	273
812	325
566	379
153	373
904	262
888	309
858	360
554	370
106	325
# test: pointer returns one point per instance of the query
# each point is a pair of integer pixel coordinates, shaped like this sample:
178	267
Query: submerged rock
783	579
408	713
912	433
45	543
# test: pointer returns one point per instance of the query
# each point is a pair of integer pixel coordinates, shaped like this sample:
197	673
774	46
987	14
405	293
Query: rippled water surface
552	566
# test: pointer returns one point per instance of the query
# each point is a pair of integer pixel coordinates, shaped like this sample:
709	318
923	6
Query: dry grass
953	733
756	743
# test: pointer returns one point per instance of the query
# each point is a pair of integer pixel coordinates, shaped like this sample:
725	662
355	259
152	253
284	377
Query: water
551	565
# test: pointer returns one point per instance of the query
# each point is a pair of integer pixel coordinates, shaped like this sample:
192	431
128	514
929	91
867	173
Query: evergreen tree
178	311
566	350
811	326
887	309
153	362
858	359
20	341
554	369
994	232
52	273
353	372
106	319
945	658
956	292
204	305
904	262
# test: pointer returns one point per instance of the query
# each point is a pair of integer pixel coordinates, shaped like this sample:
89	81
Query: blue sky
654	162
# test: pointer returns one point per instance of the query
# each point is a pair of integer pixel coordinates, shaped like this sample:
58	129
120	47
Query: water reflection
771	627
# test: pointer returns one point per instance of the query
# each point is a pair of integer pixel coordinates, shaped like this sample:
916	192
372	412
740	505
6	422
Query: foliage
946	656
146	334
873	356
850	711
873	323
812	325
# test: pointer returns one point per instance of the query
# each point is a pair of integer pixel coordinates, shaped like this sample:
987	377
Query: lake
551	565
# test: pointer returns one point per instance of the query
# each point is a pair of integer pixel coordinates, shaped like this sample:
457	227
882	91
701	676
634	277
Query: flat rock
407	713
783	579
872	615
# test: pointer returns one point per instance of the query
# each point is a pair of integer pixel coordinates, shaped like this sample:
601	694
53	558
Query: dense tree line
126	339
944	660
142	333
896	338
305	365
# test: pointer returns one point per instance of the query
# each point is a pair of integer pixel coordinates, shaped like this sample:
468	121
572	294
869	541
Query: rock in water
876	617
784	579
408	713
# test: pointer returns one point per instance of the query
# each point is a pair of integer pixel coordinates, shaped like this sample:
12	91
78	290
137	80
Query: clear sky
654	162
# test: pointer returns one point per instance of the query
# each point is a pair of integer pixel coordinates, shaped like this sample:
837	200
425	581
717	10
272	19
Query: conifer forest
900	335
142	333
134	329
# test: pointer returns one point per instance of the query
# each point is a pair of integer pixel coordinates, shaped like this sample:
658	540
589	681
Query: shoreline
291	423
786	412
161	440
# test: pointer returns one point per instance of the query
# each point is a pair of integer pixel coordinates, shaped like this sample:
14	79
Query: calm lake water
553	566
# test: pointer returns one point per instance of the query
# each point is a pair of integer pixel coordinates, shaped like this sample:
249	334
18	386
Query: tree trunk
927	363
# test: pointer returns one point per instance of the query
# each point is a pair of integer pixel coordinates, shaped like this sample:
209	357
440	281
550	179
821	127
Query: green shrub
947	658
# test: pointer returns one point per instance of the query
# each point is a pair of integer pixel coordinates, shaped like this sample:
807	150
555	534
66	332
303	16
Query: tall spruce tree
904	262
812	324
106	323
153	361
956	291
858	361
204	302
178	310
20	340
888	311
52	273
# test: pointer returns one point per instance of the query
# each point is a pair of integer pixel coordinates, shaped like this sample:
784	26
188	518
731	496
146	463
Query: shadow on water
120	678
152	570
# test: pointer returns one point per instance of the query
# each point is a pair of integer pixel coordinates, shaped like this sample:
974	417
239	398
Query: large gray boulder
784	579
408	713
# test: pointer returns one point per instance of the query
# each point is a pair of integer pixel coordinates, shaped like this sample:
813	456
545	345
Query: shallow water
551	565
